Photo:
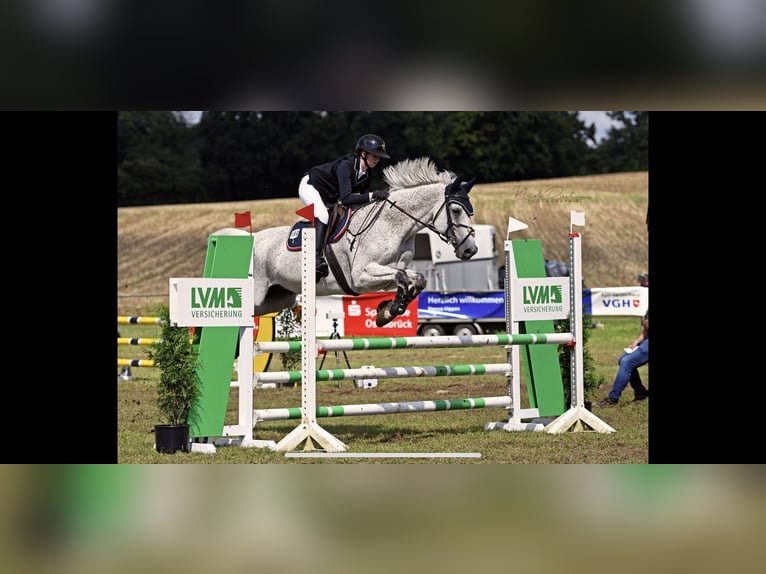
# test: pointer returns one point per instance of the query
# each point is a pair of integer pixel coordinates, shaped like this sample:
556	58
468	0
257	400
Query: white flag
515	225
577	218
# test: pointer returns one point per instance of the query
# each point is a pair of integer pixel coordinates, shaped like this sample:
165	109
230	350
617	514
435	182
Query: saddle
336	228
340	215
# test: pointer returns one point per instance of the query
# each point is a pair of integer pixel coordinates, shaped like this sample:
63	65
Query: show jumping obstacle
314	437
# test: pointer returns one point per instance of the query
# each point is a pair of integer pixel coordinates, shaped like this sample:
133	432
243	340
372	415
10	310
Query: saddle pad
294	238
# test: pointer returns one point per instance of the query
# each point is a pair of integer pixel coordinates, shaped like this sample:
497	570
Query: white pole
577	414
575	293
309	431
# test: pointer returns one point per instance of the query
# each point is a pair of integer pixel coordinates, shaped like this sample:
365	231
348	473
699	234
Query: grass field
453	432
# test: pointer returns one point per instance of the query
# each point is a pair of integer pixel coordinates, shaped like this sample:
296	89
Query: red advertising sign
360	313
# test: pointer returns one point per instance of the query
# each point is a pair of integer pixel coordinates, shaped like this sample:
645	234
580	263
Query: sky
599	118
602	122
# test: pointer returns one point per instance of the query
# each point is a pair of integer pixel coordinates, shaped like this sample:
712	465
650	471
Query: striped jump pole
376	343
135	363
125	374
125	320
147	341
281	414
126	364
137	341
387	373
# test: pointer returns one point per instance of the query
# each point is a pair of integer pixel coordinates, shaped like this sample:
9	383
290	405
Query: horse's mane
413	172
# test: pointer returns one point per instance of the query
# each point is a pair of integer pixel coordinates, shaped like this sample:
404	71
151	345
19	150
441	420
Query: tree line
162	158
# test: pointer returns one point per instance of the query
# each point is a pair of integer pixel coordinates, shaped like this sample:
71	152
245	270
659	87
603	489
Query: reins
365	225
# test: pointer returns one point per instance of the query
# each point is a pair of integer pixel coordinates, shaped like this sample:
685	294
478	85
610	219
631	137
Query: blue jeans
628	371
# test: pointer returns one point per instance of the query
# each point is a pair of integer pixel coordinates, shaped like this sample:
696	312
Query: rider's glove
380	194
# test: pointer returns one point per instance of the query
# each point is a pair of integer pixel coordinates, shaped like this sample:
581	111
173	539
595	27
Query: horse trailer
461	297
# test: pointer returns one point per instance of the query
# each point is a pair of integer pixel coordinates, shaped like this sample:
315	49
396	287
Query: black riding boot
322	269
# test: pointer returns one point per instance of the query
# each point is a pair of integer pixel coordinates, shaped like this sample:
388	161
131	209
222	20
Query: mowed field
155	243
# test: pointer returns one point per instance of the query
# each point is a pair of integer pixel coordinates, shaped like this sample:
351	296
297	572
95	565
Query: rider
346	179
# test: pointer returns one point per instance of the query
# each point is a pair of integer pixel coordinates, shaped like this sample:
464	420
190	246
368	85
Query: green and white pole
377	343
280	414
387	373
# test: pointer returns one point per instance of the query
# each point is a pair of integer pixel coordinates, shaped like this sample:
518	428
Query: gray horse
378	245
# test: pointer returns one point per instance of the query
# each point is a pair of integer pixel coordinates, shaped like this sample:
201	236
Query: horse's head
459	211
451	219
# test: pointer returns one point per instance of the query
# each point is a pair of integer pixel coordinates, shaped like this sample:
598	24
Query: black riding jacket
337	180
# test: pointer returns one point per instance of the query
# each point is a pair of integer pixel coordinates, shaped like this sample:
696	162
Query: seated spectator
635	356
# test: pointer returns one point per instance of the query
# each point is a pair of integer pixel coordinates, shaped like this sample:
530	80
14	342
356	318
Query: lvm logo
216	298
542	295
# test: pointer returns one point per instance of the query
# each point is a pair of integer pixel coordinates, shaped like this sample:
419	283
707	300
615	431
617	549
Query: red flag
307	212
242	219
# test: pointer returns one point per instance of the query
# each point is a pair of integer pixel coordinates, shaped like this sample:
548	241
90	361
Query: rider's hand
380	194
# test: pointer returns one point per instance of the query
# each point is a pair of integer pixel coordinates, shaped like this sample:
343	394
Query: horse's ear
469	184
455	185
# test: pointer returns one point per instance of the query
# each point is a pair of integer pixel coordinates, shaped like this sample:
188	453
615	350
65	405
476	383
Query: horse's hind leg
406	291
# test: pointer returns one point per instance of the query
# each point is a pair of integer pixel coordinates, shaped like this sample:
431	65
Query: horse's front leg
406	291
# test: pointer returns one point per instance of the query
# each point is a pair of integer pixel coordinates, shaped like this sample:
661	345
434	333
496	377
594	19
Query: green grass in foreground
448	432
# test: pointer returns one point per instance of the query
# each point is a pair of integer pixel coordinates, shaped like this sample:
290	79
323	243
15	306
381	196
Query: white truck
461	297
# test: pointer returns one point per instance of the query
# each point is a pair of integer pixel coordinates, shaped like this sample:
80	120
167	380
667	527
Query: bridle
450	234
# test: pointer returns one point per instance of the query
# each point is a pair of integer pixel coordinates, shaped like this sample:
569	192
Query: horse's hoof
384	315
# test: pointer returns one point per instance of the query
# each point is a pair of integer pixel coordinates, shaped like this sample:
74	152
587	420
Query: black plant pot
171	438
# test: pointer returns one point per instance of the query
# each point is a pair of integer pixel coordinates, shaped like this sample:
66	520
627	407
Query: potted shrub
179	386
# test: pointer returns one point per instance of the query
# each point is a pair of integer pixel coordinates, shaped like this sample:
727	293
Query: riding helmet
372	144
